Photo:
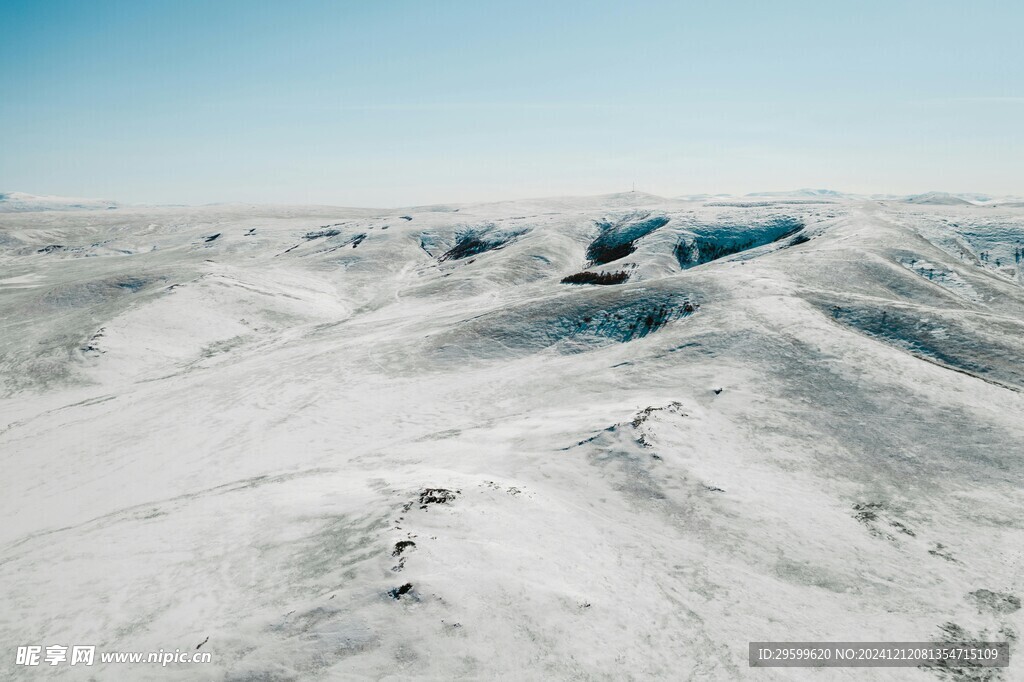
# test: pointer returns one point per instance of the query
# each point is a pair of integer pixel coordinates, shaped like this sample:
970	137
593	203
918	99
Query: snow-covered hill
805	193
361	444
20	202
937	199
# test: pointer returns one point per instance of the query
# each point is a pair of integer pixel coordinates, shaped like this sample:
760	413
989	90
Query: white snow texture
342	444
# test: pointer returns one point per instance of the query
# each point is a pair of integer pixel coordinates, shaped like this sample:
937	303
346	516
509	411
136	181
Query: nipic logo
56	654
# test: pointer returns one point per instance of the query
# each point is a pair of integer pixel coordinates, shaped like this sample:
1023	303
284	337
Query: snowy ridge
20	202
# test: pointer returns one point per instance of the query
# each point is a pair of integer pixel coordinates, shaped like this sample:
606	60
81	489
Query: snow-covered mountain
20	202
937	199
584	438
806	193
927	198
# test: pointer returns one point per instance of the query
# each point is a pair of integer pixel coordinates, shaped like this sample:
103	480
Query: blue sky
397	103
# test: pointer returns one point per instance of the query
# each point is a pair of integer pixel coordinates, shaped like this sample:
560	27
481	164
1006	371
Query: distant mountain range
806	192
927	198
20	202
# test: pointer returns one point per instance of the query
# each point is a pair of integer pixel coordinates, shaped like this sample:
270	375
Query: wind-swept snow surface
347	444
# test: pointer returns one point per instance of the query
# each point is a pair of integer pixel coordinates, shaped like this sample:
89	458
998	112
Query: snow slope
359	444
